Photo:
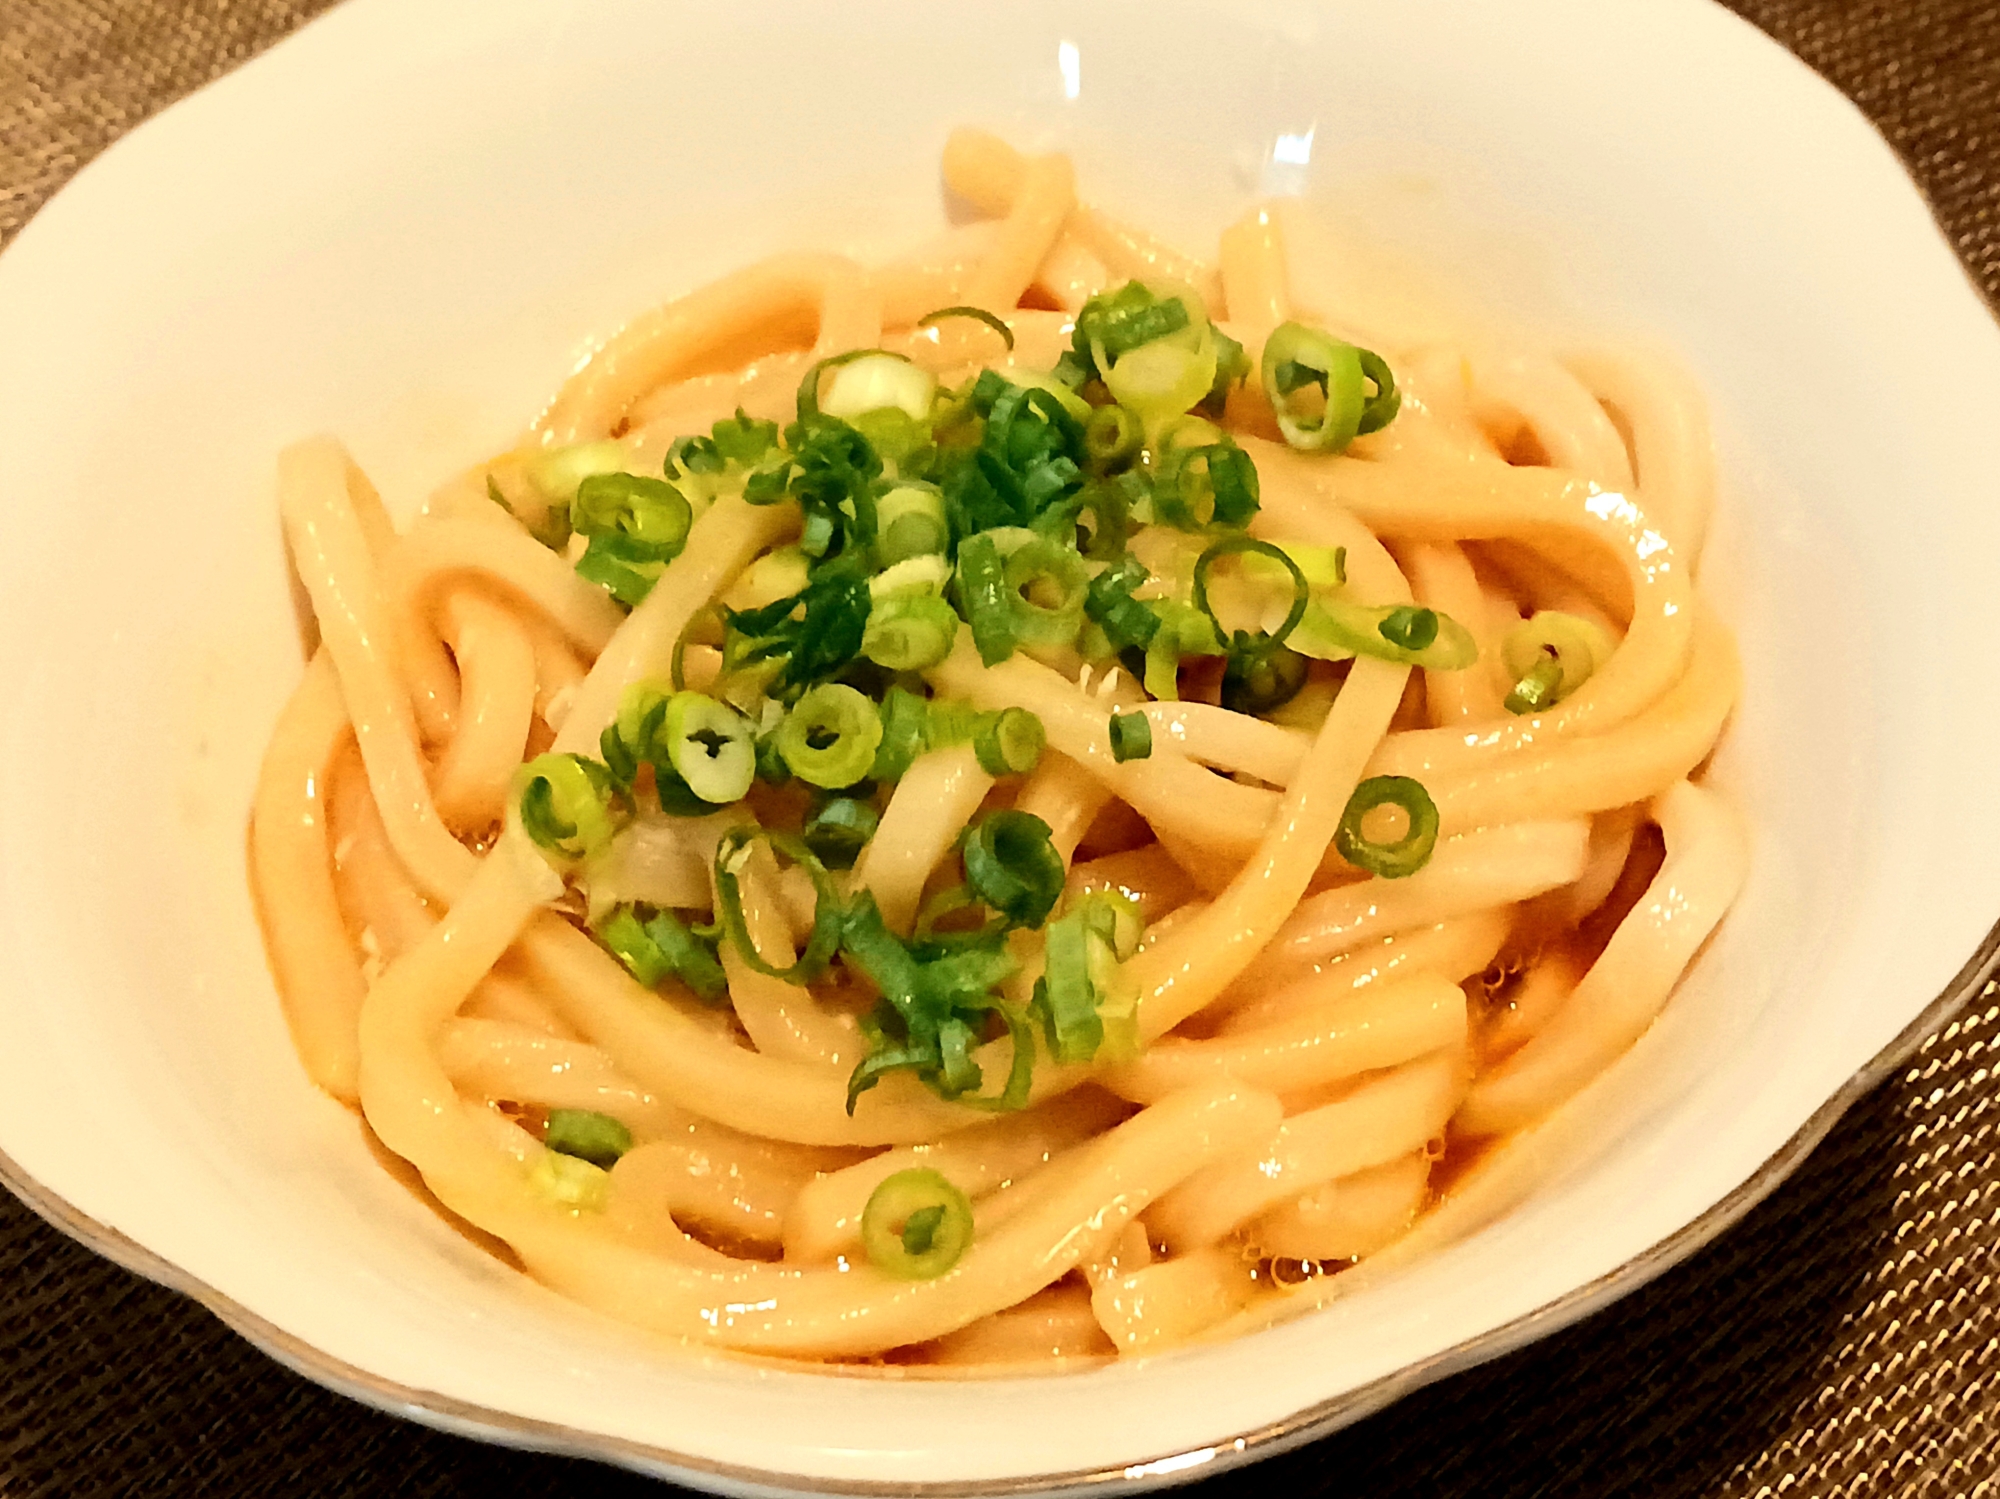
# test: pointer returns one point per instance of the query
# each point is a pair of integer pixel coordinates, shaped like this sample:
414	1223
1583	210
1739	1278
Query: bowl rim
471	1419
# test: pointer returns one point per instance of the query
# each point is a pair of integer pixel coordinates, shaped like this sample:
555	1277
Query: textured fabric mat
1843	1340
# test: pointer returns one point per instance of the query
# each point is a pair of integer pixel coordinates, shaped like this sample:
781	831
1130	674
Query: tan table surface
1843	1340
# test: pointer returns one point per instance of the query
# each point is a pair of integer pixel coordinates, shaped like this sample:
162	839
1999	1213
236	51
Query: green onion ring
1230	545
916	1226
978	314
1408	854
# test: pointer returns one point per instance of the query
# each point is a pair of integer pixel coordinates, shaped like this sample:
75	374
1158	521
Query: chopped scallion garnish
1131	737
1393	858
830	737
1011	863
916	1225
588	1136
1010	742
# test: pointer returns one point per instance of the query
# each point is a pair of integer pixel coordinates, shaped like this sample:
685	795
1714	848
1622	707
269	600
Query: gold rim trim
467	1419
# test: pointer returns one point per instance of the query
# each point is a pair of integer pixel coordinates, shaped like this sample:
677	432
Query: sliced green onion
1112	437
623	569
1409	628
1260	677
830	737
982	586
910	522
568	804
731	854
588	1136
1162	379
659	946
1400	857
1213	484
557	472
1250	546
1298	359
744	439
808	399
910	634
1184	631
1109	603
904	716
1011	863
1010	742
1121	320
1334	629
1065	995
949	722
978	314
690	957
916	1226
1537	689
880	382
649	516
1046	588
1386	401
625	934
1131	737
712	748
570	1183
840	830
1578	646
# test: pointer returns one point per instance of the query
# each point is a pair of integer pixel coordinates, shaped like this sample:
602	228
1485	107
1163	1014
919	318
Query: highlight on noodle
1008	806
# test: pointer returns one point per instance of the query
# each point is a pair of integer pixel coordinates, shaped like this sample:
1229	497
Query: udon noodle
1006	835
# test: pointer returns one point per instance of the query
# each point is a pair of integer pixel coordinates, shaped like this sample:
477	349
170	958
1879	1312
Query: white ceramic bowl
405	223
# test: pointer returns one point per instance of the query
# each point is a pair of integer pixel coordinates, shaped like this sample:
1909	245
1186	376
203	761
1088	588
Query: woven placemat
1843	1340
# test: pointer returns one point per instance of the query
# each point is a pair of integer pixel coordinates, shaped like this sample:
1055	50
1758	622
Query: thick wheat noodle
1637	760
1488	500
1566	419
1180	975
672	340
1492	866
931	804
505	558
1707	858
1228	741
1453	950
1381	1119
1673	455
496	665
1350	1216
831	1313
384	907
1254	283
684	1062
1053	1328
1040	208
1442	579
988	173
558	671
1377	1026
1063	796
291	865
782	1020
1150	877
825	1218
330	551
1169	790
498	1059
